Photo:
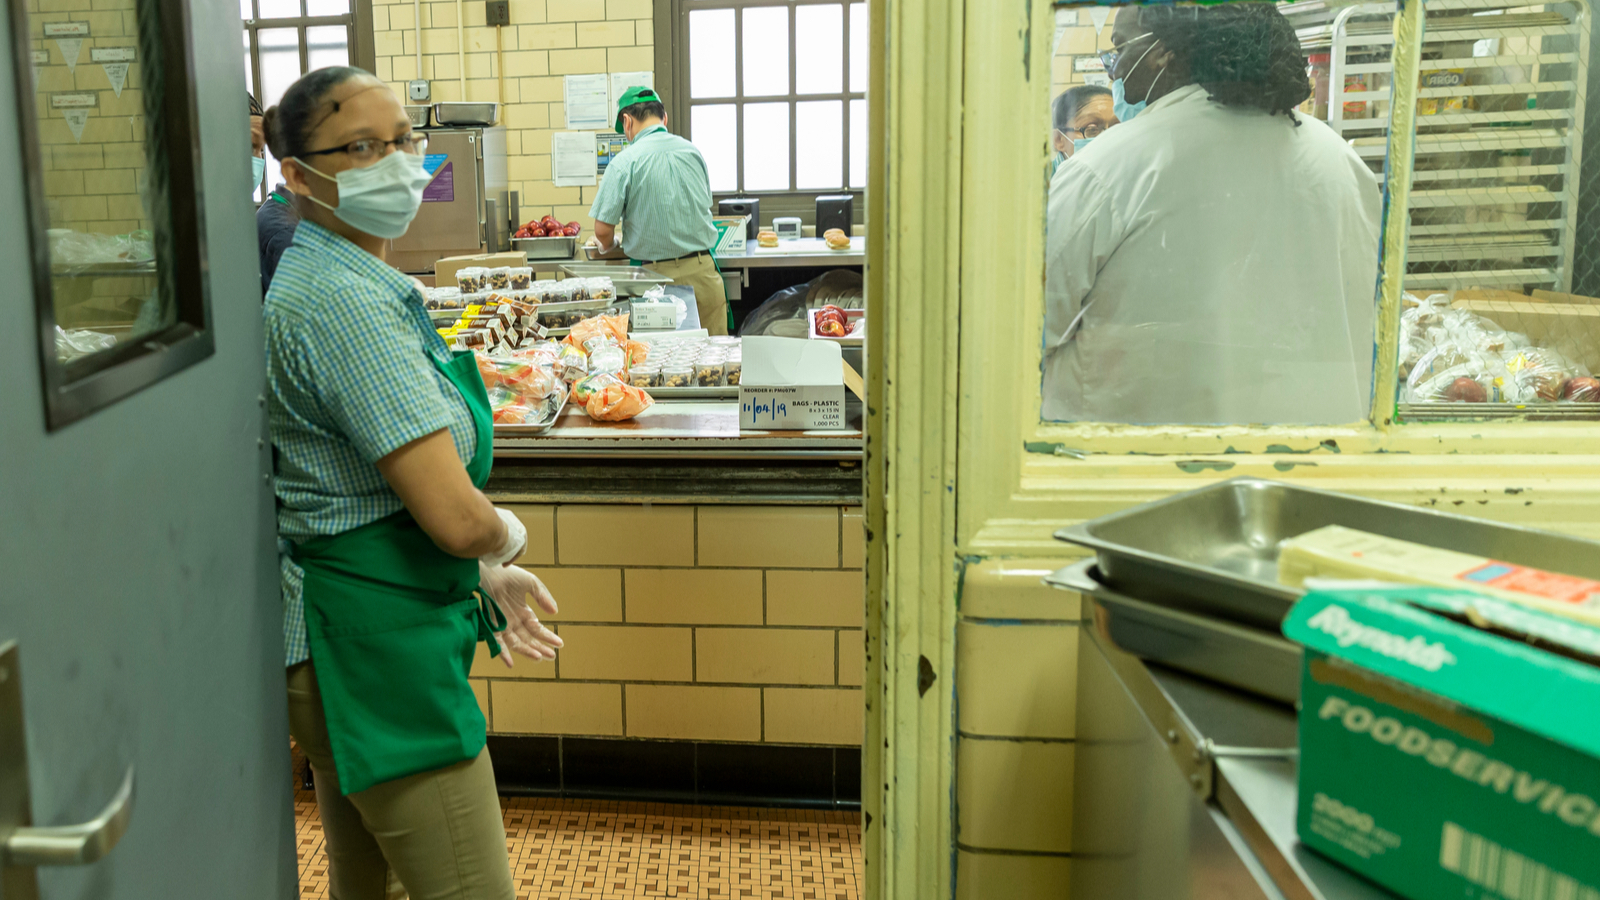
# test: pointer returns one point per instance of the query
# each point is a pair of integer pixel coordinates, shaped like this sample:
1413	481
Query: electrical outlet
418	90
497	12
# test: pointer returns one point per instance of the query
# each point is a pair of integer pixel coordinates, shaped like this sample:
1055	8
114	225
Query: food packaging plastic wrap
600	326
1454	356
607	358
574	363
80	342
73	249
610	400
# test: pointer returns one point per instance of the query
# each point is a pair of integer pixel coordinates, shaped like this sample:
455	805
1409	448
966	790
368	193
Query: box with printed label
1449	743
791	384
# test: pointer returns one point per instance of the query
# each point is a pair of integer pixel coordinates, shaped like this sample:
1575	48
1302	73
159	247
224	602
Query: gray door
137	567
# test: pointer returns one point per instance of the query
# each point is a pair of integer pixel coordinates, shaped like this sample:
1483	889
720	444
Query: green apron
393	622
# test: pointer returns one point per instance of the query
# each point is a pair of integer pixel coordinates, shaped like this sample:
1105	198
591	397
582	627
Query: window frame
358	26
75	390
672	69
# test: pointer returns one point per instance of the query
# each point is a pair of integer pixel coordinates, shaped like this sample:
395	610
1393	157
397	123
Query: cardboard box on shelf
791	384
730	234
1441	759
444	271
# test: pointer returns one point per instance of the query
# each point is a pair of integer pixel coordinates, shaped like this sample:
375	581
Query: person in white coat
1213	259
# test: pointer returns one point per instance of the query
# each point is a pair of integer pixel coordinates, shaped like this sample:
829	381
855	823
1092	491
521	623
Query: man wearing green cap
660	188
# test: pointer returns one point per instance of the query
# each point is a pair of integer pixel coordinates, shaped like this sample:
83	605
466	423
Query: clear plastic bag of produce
1545	372
75	249
80	342
614	326
607	358
609	399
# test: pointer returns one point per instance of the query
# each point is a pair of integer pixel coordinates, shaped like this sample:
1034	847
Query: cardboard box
1444	760
654	316
444	271
730	234
791	384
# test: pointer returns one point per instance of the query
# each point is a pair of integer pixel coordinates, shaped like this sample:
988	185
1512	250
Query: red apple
1465	390
571	230
1583	390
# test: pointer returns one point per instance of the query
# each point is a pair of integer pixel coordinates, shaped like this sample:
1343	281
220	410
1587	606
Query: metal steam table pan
1215	550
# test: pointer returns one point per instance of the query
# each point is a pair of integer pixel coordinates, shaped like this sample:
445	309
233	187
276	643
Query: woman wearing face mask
388	547
1079	115
1213	258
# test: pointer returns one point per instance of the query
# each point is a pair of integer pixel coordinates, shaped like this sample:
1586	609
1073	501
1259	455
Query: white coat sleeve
1080	235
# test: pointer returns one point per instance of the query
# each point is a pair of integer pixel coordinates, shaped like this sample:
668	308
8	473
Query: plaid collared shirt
349	381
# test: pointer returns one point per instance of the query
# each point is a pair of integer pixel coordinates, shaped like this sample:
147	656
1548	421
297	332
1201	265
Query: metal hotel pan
1215	550
1258	660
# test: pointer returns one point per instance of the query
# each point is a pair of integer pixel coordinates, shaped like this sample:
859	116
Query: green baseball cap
637	94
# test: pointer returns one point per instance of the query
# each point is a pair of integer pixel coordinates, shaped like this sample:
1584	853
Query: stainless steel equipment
469	172
419	115
1215	550
546	248
1258	660
469	115
630	281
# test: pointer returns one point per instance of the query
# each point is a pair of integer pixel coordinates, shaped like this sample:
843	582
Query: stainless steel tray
472	114
1257	660
546	249
630	281
526	430
1215	550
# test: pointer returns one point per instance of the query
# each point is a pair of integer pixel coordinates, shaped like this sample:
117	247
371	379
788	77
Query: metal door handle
73	845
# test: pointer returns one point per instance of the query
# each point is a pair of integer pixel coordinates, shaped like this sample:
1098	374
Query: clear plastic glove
510	587
516	540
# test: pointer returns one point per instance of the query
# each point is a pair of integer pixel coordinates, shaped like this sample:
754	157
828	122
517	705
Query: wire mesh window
776	92
1501	316
283	40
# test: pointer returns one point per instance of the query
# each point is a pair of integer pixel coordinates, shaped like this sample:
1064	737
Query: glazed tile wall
727	623
544	42
1016	701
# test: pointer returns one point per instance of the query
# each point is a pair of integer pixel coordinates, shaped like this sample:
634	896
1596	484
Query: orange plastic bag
638	352
615	402
616	327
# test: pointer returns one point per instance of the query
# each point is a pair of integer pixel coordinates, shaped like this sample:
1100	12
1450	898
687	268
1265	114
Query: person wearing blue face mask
1079	115
1213	259
393	563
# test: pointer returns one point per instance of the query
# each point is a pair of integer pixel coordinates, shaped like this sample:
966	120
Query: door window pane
716	134
246	10
819	49
858	144
819	144
766	147
327	45
280	9
766	51
327	8
859	31
711	42
249	73
280	62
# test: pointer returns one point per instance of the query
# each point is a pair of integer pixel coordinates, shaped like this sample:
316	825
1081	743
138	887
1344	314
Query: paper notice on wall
621	81
117	74
1099	79
588	103
607	144
70	48
40	58
1099	14
1064	19
76	119
573	158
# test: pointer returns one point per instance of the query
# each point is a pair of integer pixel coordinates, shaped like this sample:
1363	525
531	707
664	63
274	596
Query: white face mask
258	167
382	198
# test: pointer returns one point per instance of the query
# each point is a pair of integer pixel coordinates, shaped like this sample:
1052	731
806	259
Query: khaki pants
710	294
436	834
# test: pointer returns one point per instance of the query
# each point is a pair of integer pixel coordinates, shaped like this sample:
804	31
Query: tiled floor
601	850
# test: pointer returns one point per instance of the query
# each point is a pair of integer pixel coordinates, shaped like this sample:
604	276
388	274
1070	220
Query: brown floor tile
610	850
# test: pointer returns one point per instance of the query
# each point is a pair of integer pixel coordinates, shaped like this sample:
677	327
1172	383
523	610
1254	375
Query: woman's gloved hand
510	587
516	541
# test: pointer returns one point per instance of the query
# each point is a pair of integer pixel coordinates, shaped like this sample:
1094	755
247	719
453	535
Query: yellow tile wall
1016	692
545	41
691	623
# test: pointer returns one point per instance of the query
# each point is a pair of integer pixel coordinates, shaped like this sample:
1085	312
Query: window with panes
285	39
774	92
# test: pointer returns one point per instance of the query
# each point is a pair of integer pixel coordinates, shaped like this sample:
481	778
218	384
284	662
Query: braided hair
1243	54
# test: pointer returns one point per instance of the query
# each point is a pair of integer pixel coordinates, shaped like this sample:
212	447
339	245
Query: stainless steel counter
682	430
800	252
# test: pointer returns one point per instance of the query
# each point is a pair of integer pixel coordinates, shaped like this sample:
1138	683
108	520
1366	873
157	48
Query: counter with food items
1452	350
566	377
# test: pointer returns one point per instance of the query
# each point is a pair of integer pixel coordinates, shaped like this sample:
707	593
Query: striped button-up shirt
349	381
659	191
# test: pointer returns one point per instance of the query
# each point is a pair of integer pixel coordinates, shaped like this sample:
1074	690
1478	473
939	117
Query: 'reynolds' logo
1335	621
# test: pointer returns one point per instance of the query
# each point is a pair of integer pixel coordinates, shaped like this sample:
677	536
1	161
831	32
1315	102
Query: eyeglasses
1090	131
1109	57
369	150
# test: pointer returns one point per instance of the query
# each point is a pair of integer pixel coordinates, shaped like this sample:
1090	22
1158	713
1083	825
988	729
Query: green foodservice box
1450	743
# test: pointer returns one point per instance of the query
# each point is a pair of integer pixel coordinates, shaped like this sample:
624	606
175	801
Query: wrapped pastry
614	401
836	239
767	239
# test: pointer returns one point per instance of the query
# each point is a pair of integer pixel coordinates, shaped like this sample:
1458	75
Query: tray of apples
547	238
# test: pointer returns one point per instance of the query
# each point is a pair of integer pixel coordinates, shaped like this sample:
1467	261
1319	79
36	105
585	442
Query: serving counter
711	598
